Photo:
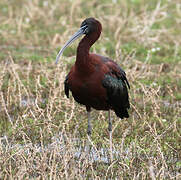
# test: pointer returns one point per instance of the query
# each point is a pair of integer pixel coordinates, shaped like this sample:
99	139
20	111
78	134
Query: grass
43	134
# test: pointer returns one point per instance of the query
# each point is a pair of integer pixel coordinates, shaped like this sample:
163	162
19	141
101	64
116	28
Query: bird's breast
88	90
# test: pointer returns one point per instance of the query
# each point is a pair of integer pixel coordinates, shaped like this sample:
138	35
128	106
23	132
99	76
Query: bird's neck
83	62
83	50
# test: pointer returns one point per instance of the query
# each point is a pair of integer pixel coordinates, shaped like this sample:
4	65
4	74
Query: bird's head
88	26
91	25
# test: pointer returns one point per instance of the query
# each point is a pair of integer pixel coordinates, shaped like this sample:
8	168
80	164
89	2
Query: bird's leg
89	127
110	134
89	130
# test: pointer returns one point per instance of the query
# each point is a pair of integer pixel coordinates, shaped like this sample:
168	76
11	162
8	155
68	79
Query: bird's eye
86	30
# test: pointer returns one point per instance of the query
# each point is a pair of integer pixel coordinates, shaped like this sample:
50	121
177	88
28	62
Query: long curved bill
72	39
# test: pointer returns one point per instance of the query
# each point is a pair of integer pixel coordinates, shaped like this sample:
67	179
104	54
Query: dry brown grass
43	134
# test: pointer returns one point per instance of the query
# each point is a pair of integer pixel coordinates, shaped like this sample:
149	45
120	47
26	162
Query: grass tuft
43	134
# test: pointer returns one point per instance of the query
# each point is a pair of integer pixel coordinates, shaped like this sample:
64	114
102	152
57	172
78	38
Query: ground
43	134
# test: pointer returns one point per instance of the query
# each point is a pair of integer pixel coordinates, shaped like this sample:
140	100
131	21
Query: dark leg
110	134
89	130
110	121
89	127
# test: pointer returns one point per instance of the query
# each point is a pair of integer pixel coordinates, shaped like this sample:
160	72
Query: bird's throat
82	57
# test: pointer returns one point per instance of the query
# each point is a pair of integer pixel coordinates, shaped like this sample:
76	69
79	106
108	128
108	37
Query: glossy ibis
96	81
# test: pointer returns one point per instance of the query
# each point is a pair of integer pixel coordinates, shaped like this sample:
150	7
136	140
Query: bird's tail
122	113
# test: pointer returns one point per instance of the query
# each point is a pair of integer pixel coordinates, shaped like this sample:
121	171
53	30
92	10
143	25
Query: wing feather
66	87
117	85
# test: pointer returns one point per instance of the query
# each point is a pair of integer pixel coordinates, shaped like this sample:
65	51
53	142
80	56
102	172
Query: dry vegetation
43	134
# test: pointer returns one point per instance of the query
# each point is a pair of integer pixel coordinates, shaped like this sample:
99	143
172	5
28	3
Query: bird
95	81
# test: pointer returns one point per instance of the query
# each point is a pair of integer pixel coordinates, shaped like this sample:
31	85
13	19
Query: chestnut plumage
96	81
